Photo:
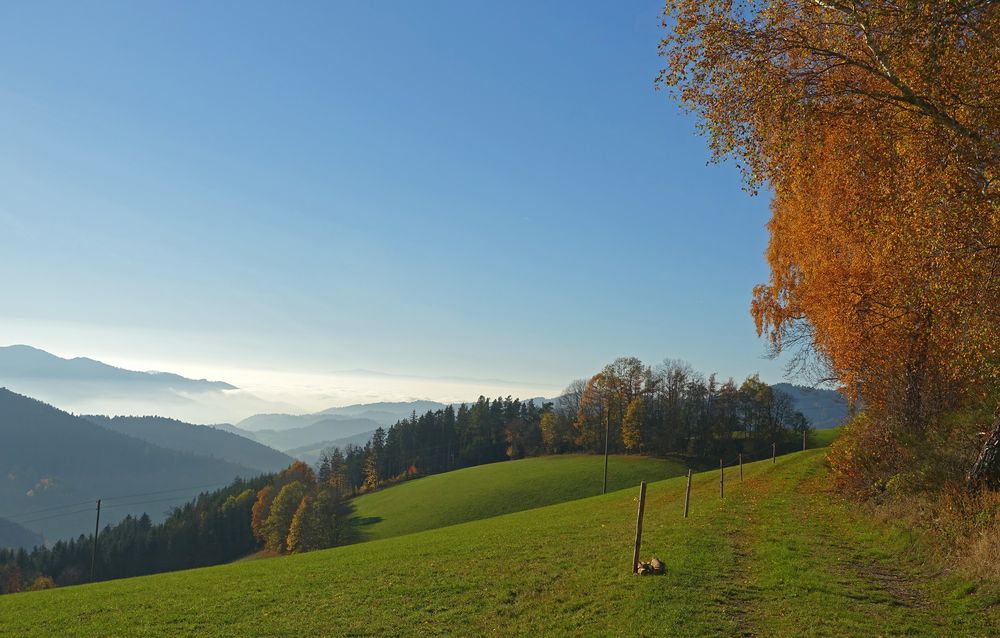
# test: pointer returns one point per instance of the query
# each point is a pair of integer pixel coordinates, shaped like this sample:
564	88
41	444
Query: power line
45	518
179	489
49	509
161	500
19	518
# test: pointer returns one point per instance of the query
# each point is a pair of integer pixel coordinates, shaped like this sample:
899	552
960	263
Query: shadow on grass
354	529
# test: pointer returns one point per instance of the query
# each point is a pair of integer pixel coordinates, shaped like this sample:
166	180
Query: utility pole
97	529
607	433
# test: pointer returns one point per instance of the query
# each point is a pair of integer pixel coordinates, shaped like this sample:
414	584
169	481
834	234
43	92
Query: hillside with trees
57	465
203	440
213	528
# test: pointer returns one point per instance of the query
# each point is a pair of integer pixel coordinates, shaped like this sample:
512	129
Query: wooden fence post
741	467
803	440
638	527
687	495
722	480
774	452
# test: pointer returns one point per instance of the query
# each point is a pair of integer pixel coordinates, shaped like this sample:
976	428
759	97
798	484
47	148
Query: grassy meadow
778	556
485	491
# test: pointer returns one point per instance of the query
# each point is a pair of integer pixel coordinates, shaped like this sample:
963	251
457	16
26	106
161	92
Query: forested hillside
196	439
57	465
211	529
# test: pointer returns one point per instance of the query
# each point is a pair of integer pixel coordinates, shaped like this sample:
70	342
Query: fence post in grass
607	432
741	467
774	452
687	495
638	527
722	480
803	439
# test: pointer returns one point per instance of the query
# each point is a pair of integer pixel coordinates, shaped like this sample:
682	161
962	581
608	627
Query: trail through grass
778	556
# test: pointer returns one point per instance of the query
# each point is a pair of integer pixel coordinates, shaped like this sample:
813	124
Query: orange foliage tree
876	125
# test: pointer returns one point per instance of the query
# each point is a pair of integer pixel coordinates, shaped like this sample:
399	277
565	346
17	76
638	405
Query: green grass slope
485	491
778	556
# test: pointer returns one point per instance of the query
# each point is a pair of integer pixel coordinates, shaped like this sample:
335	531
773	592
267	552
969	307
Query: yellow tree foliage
279	519
876	125
606	400
259	512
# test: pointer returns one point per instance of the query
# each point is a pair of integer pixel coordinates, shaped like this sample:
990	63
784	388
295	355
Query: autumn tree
260	510
279	519
556	431
876	126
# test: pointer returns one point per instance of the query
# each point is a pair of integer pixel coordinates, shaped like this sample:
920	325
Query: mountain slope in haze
311	453
326	429
197	439
14	536
50	459
28	362
824	408
383	414
87	386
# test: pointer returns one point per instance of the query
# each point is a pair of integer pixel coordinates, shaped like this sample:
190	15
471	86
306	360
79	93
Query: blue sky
435	188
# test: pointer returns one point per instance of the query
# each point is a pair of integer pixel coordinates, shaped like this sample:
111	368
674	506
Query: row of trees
213	528
876	125
668	409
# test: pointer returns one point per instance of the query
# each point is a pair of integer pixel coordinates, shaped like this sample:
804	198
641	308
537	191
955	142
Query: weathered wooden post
638	527
722	480
803	440
687	495
774	452
741	467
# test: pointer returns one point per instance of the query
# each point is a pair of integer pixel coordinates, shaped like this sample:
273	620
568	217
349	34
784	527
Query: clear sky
424	189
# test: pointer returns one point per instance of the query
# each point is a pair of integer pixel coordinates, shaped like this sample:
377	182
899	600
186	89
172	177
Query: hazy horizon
295	391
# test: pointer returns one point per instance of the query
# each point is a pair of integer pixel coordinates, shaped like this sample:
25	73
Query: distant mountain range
382	414
25	362
328	428
824	408
304	436
54	465
311	453
86	386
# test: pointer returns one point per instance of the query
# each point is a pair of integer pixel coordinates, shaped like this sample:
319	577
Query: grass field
485	491
823	438
779	556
